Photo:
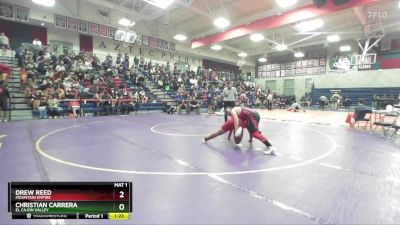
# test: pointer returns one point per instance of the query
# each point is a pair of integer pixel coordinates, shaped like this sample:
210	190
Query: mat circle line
55	159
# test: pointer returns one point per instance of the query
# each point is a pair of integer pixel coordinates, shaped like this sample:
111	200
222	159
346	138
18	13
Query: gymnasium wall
385	73
353	79
18	33
64	36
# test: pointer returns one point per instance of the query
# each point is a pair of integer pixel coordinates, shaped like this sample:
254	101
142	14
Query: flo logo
377	15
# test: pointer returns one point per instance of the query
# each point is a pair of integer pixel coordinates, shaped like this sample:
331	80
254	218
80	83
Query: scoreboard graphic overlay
70	200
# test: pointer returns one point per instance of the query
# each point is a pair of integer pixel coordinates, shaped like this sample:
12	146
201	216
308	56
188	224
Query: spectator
346	102
182	105
75	107
5	72
106	99
270	99
193	104
53	108
4	42
60	67
4	101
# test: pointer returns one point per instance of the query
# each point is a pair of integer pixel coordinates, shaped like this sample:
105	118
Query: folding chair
387	122
363	116
396	126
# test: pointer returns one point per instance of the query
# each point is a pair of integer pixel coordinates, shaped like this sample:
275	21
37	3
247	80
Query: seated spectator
98	97
75	107
53	108
142	96
352	117
281	103
127	104
182	105
106	100
60	92
243	99
193	104
60	67
42	106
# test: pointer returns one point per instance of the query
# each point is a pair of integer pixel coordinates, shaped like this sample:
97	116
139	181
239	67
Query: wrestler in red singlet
252	119
229	125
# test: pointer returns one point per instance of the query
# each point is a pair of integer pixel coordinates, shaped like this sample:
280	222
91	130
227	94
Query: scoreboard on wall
70	200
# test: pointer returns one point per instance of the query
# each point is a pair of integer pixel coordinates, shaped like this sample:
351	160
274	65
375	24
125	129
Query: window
308	85
288	87
271	85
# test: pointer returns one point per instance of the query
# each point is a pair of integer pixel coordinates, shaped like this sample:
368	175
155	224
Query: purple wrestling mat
321	174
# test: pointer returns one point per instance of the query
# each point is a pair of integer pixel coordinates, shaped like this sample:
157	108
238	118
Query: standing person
4	100
252	119
335	99
322	101
230	94
4	42
346	102
270	98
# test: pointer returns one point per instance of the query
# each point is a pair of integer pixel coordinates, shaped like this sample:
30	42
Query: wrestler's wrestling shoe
270	150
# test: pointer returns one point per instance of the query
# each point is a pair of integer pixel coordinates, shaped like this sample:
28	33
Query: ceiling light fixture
299	55
285	3
309	25
216	47
42	24
281	47
333	38
221	22
345	48
125	22
242	54
47	3
262	60
256	37
180	37
160	3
